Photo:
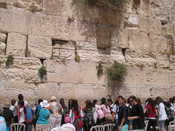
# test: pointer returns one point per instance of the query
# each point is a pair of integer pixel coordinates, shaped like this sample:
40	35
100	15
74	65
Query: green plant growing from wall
77	57
42	72
9	61
116	72
99	68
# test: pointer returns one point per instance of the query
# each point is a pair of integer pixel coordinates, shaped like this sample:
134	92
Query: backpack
169	113
67	118
88	118
100	113
29	114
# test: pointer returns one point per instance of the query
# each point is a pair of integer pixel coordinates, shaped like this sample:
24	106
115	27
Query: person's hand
120	127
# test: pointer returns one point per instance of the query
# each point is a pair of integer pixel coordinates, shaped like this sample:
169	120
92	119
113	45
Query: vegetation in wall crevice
99	68
9	61
42	72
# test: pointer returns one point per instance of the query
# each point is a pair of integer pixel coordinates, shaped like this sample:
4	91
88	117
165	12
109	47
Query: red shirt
150	111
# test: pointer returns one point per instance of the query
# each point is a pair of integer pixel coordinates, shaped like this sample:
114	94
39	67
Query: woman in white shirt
162	116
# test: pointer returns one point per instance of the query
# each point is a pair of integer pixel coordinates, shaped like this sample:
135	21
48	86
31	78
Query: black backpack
88	118
169	113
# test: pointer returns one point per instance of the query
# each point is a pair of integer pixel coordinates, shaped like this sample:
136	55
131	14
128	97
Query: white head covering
44	103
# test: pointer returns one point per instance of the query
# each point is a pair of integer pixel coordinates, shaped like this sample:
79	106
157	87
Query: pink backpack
67	119
100	113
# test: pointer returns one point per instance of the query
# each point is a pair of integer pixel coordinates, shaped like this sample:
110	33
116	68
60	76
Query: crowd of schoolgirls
54	115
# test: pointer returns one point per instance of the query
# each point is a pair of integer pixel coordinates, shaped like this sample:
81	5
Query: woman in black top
137	115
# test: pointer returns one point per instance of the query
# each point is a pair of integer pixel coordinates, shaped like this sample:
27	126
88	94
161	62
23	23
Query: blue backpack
29	114
3	126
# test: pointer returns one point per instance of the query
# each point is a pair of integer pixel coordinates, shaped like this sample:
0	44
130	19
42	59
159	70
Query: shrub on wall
116	72
77	57
99	69
42	72
9	61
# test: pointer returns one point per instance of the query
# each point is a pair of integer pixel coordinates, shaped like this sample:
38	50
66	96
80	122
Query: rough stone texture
39	46
16	44
146	31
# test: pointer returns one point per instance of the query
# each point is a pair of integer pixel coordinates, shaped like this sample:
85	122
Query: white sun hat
44	103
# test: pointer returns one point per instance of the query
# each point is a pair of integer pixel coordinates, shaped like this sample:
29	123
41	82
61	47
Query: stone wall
53	32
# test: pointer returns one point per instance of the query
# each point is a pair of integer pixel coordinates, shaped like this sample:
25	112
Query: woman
88	115
64	110
106	110
151	114
162	116
76	118
55	117
21	110
122	114
136	115
43	117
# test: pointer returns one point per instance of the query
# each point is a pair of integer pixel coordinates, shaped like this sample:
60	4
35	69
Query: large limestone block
14	20
3	37
85	72
155	26
53	7
89	91
5	20
16	44
139	43
60	90
158	44
124	39
40	46
43	25
11	89
58	72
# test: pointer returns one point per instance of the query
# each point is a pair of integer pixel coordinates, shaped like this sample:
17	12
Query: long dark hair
88	104
75	106
94	102
103	101
62	103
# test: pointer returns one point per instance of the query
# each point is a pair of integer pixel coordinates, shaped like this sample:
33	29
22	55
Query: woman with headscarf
55	117
43	117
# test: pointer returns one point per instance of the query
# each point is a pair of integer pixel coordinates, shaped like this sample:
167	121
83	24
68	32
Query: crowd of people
55	114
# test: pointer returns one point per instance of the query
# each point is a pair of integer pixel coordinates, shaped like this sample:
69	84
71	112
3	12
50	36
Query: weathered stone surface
16	44
2	48
3	37
40	47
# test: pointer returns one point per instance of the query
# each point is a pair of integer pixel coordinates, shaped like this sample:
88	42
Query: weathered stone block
14	21
3	37
16	44
54	7
133	20
40	46
2	48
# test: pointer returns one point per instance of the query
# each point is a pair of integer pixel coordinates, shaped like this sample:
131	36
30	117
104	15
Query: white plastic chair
171	126
109	127
146	124
17	127
97	128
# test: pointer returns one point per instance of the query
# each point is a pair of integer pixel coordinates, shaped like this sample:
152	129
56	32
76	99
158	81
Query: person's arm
125	115
133	117
122	122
